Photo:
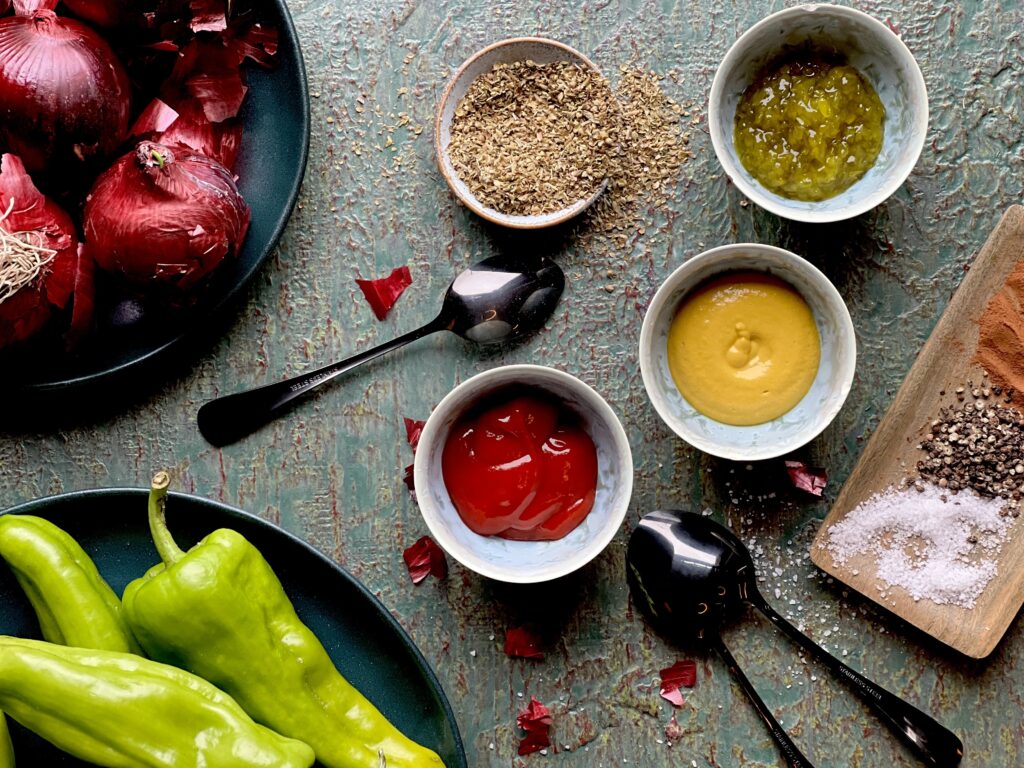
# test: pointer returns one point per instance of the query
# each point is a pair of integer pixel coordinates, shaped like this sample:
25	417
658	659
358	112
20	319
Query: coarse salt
935	545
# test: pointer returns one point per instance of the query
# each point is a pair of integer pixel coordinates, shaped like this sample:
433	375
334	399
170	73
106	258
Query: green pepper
120	710
221	612
73	603
6	747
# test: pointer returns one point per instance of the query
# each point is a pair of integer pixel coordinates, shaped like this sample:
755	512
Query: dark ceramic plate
270	166
366	643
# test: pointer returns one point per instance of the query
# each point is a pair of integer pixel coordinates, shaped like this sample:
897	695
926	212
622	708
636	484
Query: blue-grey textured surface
331	471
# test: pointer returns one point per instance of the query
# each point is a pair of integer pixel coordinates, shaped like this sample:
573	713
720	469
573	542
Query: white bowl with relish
762	342
850	38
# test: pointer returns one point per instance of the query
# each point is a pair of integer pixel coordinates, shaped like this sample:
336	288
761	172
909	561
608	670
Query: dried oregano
530	139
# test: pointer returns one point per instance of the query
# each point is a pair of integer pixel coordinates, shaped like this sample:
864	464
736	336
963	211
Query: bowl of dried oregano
526	132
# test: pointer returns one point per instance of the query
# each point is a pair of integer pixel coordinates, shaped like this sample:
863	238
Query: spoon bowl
502	299
497	300
680	576
690	574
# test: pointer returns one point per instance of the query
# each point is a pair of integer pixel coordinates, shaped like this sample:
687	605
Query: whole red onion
34	219
63	93
164	214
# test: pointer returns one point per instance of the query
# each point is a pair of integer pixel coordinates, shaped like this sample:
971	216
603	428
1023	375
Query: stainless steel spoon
690	574
497	300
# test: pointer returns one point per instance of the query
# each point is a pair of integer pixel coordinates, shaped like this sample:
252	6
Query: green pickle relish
808	128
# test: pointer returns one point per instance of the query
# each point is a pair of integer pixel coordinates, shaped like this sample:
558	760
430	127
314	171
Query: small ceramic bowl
539	50
524	562
875	51
796	427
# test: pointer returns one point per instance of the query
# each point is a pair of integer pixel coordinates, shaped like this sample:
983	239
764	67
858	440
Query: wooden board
944	363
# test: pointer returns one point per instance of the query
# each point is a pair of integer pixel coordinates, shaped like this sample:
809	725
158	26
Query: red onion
63	93
164	214
39	261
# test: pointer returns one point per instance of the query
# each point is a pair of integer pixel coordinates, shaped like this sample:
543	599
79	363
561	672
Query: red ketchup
520	471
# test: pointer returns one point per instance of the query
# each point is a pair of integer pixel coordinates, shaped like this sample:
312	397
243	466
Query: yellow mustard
744	348
808	129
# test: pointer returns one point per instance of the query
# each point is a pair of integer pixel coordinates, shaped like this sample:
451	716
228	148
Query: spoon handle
933	742
793	756
232	417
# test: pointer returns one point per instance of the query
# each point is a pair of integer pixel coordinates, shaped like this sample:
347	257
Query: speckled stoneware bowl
526	561
537	49
871	47
794	428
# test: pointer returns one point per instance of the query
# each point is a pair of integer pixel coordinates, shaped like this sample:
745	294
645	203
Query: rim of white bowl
459	188
478	565
659	304
736	53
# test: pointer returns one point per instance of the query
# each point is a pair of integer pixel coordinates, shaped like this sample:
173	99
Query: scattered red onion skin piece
208	16
523	643
208	70
425	558
101	13
164	215
682	674
156	118
47	60
413	430
805	478
536	721
383	292
25	313
255	42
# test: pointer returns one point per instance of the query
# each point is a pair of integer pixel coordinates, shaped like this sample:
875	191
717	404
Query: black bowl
363	639
129	336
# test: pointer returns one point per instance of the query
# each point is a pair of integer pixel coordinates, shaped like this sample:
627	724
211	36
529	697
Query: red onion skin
26	312
64	95
164	215
221	141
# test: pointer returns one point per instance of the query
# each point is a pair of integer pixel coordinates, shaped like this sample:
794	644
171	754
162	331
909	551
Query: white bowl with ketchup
523	473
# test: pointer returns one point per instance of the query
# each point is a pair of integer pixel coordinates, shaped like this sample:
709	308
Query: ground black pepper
977	443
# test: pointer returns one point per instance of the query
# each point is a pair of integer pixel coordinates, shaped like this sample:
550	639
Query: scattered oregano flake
654	147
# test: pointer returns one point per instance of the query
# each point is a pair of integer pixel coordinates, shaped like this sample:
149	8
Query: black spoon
497	300
689	574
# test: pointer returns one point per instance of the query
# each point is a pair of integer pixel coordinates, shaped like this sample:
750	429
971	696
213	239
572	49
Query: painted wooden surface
945	363
331	471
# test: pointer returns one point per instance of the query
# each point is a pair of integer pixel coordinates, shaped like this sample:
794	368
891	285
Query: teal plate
366	643
128	343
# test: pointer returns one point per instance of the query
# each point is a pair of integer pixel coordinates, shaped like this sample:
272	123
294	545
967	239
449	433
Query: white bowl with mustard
747	351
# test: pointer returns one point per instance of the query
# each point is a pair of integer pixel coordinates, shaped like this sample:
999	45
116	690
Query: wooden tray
943	364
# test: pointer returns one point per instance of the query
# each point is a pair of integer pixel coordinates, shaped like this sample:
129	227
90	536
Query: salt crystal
919	541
